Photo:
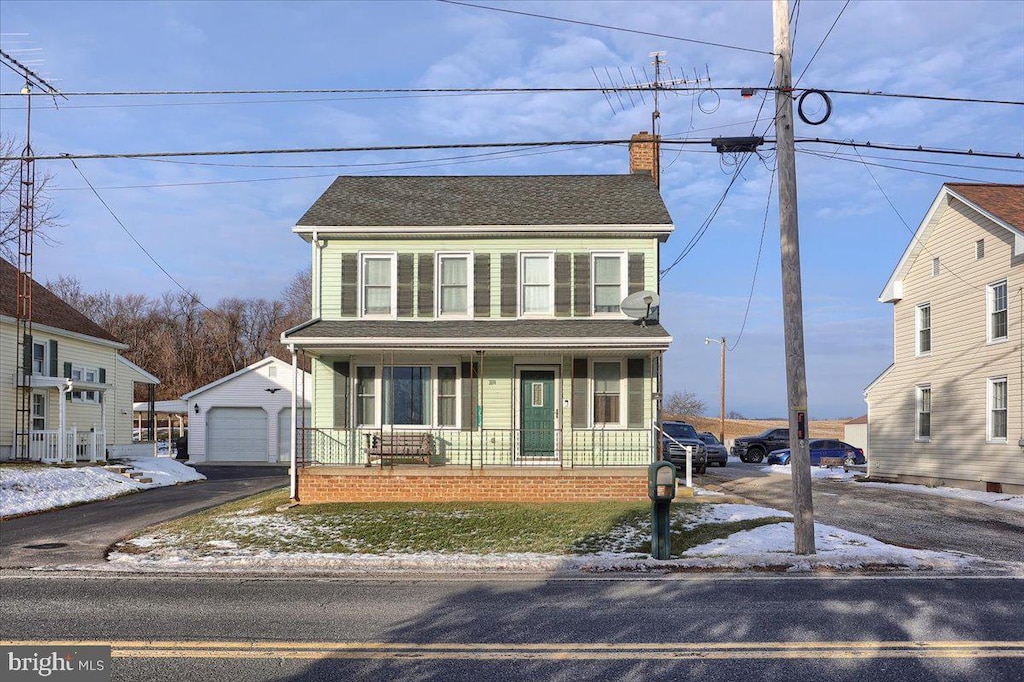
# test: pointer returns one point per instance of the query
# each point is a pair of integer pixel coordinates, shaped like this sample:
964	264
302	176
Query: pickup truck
756	448
677	439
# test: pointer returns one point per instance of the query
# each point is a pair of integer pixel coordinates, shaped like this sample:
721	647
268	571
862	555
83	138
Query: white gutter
661	343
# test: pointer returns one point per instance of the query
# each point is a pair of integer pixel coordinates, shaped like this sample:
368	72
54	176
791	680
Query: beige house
950	409
80	386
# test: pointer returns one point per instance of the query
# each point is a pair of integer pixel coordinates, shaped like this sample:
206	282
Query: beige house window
997	309
924	413
997	410
924	329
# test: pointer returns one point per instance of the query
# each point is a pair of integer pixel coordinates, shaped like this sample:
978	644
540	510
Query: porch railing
44	446
491	447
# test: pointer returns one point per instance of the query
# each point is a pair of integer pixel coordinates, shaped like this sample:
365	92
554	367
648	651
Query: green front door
537	420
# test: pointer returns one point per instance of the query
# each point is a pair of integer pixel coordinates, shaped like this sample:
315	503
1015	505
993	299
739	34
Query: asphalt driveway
895	516
82	534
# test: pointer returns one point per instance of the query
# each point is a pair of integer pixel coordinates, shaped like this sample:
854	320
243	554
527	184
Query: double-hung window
924	413
537	277
607	393
366	396
454	293
997	311
88	375
997	410
924	329
609	282
378	288
39	359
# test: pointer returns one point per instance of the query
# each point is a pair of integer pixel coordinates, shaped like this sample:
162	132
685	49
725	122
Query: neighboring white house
855	432
246	416
81	388
950	409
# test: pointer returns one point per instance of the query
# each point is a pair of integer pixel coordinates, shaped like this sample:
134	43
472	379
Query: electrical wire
921	162
945	176
757	263
911	148
605	26
827	34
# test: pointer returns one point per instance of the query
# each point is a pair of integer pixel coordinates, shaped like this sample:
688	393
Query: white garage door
236	434
284	432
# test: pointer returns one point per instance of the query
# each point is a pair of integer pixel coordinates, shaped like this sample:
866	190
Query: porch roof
536	334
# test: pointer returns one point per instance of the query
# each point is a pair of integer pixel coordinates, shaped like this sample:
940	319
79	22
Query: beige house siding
960	363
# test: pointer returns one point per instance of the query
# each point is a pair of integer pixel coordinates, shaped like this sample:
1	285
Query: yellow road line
545	650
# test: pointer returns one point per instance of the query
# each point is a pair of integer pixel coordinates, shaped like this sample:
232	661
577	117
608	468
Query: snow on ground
39	488
1010	502
767	547
835	474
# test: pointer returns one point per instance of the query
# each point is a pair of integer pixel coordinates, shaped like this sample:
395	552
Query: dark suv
753	449
679	437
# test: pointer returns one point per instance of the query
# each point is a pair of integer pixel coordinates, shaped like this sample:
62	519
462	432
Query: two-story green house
474	321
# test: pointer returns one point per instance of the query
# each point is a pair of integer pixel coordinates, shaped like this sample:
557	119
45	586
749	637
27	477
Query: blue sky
233	238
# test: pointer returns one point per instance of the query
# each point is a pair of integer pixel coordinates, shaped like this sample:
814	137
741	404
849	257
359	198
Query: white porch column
62	412
102	442
292	469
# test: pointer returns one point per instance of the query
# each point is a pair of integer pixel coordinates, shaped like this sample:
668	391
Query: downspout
293	490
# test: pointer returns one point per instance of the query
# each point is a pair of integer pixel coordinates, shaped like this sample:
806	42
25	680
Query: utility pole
792	303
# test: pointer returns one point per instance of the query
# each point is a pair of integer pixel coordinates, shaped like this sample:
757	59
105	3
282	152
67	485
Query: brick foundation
450	484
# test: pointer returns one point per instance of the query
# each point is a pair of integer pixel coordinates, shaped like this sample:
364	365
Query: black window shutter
53	358
580	391
582	284
67	370
26	355
405	261
509	283
349	284
470	371
103	380
342	373
426	283
482	285
635	392
636	272
563	285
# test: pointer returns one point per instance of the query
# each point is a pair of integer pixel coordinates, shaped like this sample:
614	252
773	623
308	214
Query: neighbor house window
997	327
378	284
537	278
447	398
979	249
39	353
997	409
366	396
607	392
935	267
608	282
38	412
924	413
924	329
88	375
453	290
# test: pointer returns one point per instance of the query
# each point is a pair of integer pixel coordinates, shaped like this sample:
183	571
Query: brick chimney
643	155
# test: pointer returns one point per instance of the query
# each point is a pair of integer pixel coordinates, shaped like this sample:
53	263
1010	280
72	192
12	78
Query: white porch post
102	442
62	412
292	469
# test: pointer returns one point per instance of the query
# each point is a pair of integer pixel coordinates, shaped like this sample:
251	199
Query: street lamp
721	433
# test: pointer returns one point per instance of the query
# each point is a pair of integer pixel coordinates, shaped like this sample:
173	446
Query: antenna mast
26	234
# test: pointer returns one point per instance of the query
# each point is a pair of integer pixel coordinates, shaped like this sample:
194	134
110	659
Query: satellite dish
643	306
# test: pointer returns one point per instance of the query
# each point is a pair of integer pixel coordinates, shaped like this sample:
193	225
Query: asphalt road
895	516
82	534
705	627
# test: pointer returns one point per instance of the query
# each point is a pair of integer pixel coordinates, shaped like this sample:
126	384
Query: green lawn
253	525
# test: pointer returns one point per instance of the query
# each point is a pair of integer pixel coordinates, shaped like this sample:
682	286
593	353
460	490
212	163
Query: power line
757	261
945	176
606	26
911	148
921	162
822	43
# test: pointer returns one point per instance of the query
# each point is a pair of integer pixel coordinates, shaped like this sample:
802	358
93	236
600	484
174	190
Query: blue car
823	447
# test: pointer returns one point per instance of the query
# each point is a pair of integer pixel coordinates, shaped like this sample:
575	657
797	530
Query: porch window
453	276
447	400
407	396
366	397
537	277
608	283
378	284
39	359
89	375
38	412
607	393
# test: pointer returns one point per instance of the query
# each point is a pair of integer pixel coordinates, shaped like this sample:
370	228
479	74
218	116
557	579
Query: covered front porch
53	436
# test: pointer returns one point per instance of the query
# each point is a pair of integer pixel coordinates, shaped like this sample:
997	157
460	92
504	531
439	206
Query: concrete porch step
115	468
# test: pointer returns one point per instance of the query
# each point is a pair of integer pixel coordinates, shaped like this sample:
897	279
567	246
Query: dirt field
824	428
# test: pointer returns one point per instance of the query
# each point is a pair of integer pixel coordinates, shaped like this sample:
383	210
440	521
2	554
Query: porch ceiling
554	334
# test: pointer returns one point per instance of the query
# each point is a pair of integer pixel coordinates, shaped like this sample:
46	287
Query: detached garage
245	417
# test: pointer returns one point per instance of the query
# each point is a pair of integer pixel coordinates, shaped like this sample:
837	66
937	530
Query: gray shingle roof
458	331
489	200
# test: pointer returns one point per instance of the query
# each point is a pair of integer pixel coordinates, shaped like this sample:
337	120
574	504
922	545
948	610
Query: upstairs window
39	358
378	285
608	282
924	329
997	323
537	272
924	413
453	290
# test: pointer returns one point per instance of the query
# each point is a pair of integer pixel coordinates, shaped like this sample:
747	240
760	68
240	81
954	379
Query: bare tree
47	218
685	404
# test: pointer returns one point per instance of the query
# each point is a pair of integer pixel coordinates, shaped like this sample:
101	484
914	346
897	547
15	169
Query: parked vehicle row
823	447
677	439
717	453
